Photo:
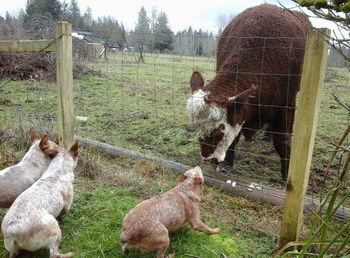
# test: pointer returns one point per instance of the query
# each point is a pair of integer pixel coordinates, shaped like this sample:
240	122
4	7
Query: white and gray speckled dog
16	179
30	224
146	227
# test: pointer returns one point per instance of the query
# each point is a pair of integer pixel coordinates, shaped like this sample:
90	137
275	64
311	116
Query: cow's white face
215	134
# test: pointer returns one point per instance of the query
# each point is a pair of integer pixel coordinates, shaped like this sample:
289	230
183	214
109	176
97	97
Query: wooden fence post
306	115
64	59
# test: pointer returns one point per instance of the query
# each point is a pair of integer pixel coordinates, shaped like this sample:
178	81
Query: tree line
152	33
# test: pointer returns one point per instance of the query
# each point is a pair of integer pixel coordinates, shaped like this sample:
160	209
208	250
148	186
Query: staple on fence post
307	109
64	63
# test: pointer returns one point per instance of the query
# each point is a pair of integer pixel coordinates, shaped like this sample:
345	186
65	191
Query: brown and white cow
259	61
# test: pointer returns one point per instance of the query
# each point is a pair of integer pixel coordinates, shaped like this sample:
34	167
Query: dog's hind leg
11	246
54	236
162	247
158	240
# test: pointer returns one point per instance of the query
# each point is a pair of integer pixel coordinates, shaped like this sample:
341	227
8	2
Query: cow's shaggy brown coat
262	46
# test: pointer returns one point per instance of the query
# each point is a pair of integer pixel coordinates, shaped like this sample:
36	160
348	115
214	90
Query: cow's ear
34	135
197	81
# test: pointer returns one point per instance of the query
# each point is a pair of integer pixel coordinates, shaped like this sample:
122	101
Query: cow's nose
206	159
211	160
214	161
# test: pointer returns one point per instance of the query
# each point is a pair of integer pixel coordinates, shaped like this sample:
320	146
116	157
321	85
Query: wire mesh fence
142	106
26	99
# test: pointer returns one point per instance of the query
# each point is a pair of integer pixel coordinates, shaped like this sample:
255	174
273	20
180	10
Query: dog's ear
33	135
198	180
182	178
44	143
74	149
52	152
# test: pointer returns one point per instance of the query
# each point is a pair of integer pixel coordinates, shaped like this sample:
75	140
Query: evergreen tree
108	30
74	13
142	32
123	35
43	7
54	8
40	18
87	19
189	42
64	14
153	22
163	33
10	27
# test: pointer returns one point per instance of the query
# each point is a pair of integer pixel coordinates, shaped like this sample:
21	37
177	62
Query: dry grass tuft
17	136
89	164
150	170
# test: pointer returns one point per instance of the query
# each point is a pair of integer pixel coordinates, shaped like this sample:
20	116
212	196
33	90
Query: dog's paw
171	255
215	230
67	255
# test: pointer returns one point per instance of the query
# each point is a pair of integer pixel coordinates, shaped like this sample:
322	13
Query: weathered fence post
307	108
65	117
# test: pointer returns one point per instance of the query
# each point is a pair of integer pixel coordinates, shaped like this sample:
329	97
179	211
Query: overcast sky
200	14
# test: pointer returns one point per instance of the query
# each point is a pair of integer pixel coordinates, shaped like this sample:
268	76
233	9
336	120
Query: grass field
142	107
93	226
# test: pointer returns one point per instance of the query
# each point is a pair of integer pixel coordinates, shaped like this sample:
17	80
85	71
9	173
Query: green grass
142	107
93	226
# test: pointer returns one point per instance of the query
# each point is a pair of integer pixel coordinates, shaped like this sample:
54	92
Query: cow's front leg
227	163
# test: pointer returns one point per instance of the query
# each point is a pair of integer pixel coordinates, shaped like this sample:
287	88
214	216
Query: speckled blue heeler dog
30	223
259	62
16	179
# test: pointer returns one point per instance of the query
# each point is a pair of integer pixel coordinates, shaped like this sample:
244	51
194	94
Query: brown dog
147	226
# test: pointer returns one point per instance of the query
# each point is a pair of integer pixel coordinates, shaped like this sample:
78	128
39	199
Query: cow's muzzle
211	160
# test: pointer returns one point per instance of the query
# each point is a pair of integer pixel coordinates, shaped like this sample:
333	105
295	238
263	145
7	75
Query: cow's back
264	45
264	21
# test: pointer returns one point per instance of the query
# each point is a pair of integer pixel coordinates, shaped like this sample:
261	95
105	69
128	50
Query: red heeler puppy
30	223
147	226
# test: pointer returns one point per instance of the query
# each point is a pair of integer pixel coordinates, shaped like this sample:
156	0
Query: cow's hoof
223	168
276	181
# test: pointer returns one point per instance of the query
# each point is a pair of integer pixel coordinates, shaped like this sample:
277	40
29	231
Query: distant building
94	46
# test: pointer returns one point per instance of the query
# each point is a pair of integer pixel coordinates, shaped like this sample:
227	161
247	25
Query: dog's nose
198	169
